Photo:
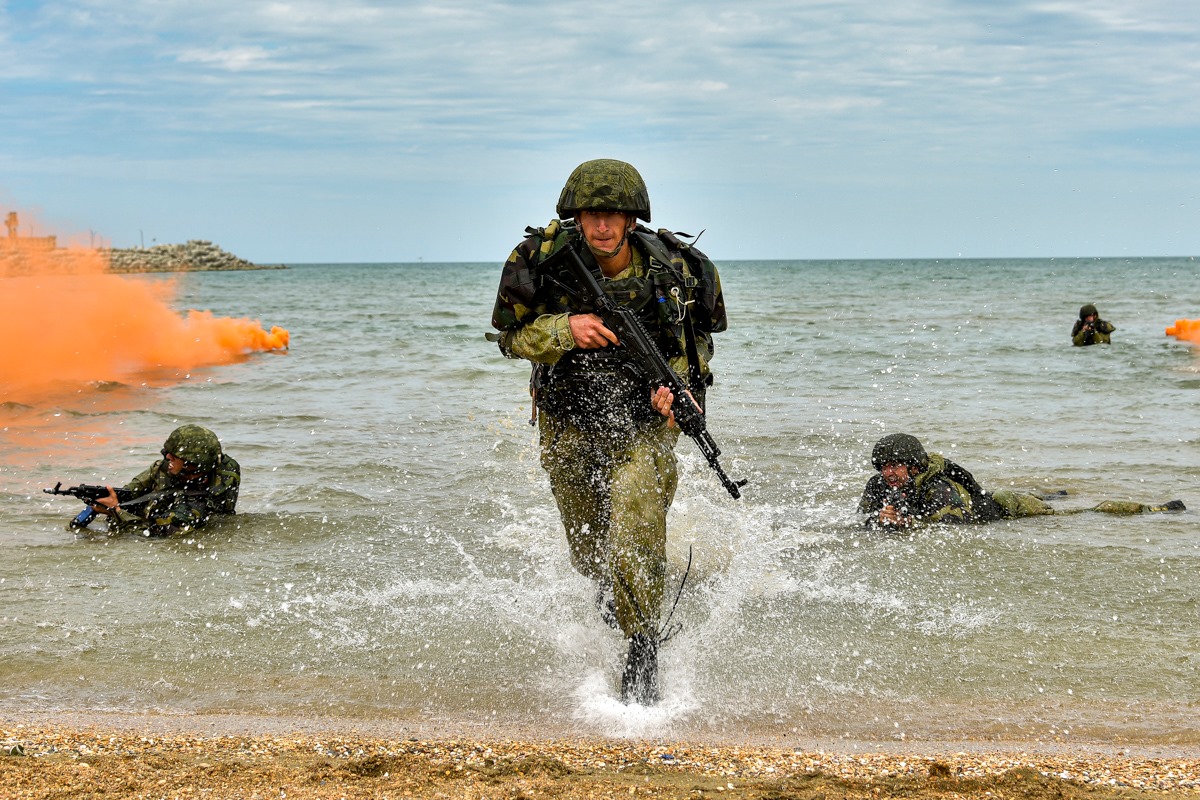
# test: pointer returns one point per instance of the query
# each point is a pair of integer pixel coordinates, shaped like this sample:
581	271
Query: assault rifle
895	498
89	494
649	359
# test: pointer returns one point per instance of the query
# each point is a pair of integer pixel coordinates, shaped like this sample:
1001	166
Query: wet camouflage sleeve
706	308
533	325
147	480
174	513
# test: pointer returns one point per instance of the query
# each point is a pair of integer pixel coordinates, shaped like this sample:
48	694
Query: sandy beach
196	757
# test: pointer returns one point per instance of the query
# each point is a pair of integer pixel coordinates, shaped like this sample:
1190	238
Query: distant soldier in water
193	480
914	487
1090	329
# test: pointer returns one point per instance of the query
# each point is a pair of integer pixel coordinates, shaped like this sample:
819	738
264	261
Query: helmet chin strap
607	254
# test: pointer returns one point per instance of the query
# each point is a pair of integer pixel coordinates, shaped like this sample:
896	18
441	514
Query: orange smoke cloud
1187	330
65	322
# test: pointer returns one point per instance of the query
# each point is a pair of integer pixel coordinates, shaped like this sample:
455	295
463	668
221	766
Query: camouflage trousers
613	493
1018	504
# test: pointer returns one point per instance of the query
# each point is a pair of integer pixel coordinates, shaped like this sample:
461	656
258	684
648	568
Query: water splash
600	709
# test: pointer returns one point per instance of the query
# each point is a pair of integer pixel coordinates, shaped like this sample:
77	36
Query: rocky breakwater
195	256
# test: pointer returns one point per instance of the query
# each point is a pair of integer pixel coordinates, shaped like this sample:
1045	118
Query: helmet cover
899	448
604	184
196	445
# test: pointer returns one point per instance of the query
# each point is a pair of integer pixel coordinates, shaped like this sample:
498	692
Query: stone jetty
30	255
196	255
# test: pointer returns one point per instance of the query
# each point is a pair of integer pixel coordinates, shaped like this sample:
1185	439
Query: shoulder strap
688	250
674	255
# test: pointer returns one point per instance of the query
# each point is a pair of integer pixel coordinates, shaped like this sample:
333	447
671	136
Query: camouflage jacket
532	305
181	506
944	492
1098	334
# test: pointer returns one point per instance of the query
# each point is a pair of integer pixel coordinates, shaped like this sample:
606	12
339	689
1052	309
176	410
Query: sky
352	131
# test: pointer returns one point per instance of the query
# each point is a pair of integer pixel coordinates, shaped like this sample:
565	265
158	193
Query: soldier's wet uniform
1089	329
942	491
185	501
608	453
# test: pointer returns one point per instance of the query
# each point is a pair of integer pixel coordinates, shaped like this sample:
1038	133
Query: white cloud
234	59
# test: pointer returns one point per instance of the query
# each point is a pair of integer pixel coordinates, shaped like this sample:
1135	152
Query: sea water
397	554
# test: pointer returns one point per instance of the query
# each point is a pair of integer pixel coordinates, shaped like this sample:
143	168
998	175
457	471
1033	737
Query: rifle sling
150	497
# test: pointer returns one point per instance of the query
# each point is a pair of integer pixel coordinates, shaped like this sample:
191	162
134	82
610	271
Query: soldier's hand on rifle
891	517
662	400
589	332
106	505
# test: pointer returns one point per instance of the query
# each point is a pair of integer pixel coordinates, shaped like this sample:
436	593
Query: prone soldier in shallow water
914	486
607	437
193	480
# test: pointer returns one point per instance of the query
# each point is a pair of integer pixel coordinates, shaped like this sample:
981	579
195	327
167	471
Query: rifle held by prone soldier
90	493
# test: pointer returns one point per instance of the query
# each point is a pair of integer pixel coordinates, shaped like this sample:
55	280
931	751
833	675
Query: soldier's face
896	475
604	230
175	464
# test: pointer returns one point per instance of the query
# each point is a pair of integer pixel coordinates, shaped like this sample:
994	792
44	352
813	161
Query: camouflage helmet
899	448
1088	311
605	184
196	445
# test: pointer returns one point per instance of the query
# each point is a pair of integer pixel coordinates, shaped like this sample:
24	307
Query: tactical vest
600	390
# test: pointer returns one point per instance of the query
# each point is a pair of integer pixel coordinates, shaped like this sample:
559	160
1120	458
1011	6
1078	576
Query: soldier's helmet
604	184
1088	311
899	448
196	445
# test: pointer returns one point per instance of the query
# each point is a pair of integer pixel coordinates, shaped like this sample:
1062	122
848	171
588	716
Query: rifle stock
634	338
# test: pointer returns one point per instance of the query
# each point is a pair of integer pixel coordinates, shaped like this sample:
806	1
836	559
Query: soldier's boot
1125	508
639	681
